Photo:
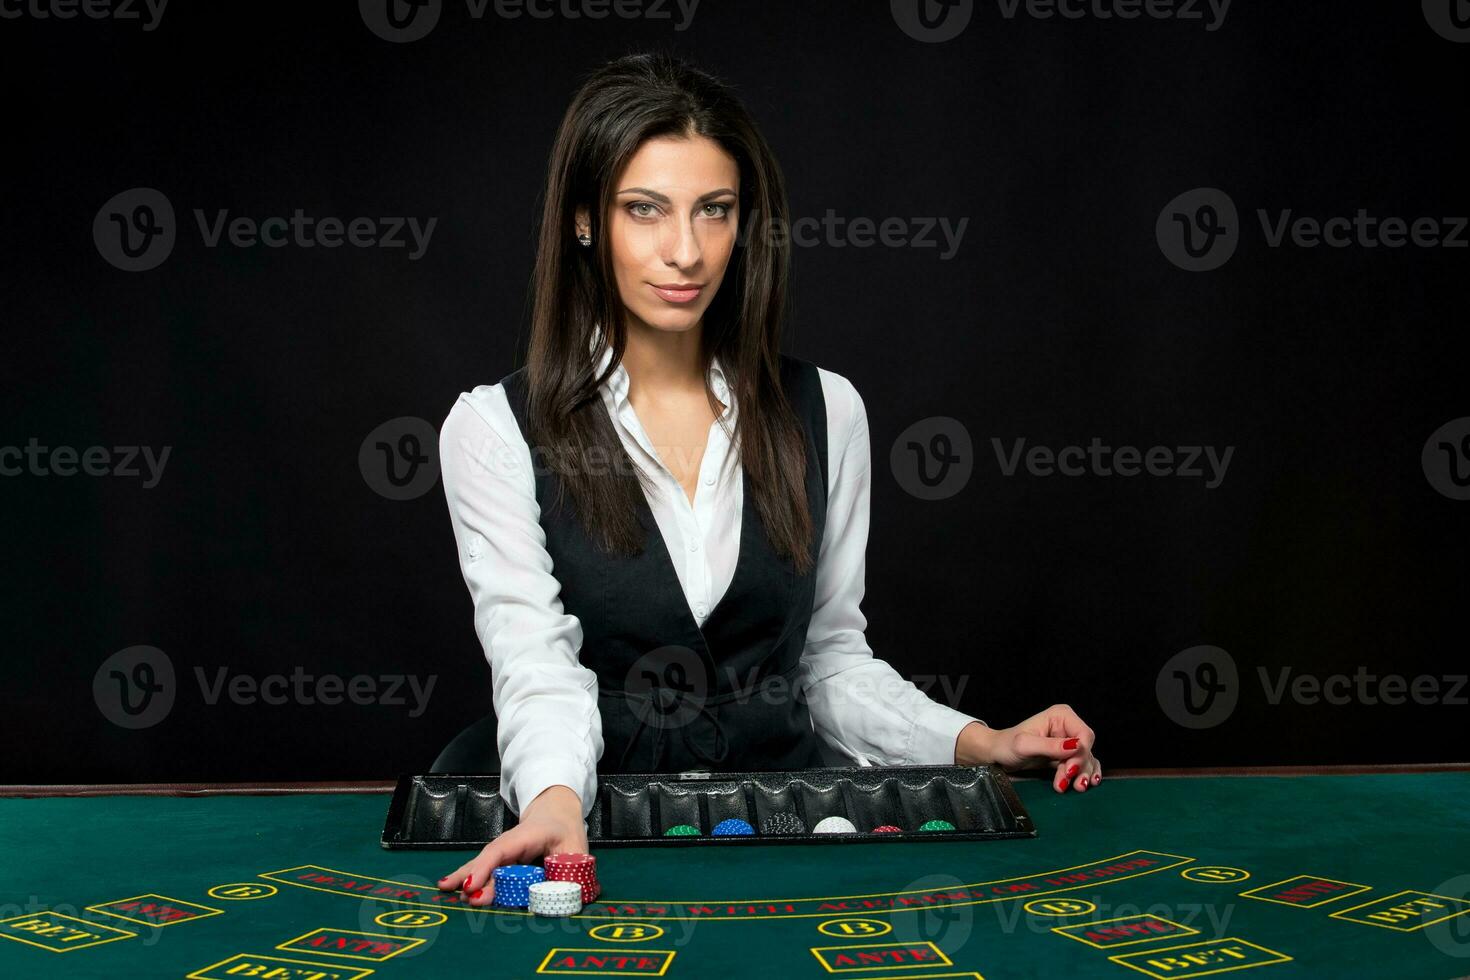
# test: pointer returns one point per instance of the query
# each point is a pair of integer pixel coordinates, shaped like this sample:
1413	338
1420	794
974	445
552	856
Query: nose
681	245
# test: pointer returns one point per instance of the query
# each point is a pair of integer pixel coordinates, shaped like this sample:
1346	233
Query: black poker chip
782	822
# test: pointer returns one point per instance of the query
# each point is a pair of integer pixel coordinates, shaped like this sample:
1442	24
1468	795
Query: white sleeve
860	705
549	729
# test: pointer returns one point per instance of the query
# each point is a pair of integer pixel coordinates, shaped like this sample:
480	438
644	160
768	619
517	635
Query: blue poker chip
513	884
733	828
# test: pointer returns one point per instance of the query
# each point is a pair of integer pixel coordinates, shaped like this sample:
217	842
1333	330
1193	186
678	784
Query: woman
672	579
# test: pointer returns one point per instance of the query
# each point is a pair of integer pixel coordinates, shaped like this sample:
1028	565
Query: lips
678	292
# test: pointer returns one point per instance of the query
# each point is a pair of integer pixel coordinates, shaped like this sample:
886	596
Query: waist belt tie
666	701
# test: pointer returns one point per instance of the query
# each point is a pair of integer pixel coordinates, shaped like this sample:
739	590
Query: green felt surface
755	910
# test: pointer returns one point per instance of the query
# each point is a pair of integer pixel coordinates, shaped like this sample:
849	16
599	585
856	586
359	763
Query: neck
664	360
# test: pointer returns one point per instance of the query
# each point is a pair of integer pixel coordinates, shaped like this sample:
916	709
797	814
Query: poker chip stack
513	884
556	898
580	868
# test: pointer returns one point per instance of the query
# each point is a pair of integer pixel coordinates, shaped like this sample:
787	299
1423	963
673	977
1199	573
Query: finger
456	879
1064	722
1041	747
501	851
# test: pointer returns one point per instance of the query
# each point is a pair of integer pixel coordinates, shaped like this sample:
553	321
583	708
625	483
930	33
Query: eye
724	210
633	209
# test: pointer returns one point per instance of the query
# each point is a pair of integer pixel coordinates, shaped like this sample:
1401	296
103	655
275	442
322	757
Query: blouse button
709	481
700	610
693	545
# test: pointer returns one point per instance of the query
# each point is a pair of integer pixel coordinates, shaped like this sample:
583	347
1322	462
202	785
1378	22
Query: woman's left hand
1055	737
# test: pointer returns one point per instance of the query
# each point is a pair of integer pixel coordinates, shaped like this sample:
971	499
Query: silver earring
585	239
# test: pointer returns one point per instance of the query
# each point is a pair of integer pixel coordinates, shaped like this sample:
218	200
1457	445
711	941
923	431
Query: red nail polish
478	892
1072	770
466	886
1069	744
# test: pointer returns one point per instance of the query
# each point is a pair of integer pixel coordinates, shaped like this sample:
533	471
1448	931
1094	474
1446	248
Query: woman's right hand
550	824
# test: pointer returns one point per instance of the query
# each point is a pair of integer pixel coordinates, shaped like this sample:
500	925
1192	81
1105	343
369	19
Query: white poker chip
835	825
560	890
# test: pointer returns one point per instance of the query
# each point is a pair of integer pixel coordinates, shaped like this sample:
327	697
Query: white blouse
550	732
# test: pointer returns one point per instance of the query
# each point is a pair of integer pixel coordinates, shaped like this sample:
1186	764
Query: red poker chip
888	828
581	868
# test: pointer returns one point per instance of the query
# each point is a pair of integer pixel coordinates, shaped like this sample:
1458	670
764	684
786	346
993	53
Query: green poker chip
682	830
937	825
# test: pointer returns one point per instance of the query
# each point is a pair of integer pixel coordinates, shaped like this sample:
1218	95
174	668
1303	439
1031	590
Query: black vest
673	695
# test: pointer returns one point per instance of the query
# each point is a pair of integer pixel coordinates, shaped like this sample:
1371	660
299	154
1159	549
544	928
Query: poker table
1363	874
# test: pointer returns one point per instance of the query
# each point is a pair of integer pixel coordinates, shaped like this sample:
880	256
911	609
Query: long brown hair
619	106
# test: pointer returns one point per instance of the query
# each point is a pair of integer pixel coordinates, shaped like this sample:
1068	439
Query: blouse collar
617	382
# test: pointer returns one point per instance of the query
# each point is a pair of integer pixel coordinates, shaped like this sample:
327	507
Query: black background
264	550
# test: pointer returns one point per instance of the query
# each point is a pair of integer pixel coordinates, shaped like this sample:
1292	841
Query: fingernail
1069	744
477	893
1082	783
466	886
1072	770
1097	779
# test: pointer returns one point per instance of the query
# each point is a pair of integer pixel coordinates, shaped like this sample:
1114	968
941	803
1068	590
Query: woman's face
673	224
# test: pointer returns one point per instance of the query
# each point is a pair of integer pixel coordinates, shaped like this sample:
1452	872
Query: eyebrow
663	199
